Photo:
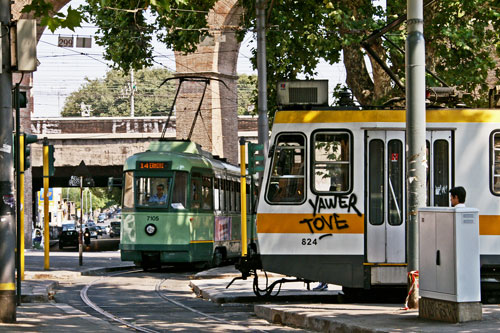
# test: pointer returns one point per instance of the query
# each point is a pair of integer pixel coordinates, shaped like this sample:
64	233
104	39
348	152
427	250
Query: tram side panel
318	236
474	160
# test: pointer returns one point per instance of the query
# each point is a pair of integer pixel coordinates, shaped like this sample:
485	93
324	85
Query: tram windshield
152	191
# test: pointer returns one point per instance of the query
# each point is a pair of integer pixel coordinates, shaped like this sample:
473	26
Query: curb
307	321
41	294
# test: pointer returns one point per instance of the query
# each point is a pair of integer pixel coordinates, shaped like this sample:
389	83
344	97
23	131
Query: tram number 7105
309	241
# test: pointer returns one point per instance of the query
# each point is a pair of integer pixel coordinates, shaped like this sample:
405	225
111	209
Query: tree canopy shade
462	38
110	96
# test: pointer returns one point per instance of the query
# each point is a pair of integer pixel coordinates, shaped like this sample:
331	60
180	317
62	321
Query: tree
462	38
101	198
110	96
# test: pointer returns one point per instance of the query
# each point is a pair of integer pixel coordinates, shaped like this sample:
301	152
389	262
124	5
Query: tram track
86	299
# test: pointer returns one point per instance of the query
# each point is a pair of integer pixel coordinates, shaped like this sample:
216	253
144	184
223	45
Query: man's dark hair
459	192
161	185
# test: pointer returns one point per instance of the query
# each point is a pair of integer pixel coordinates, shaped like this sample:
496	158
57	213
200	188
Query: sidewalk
320	310
38	313
294	306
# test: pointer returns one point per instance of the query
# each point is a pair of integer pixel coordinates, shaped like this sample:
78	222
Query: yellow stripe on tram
489	225
201	241
307	223
7	286
370	116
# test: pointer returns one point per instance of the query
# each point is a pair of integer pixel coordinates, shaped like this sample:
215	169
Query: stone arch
217	127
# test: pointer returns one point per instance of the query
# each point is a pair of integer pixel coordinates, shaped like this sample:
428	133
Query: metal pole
91	213
46	240
7	223
80	242
243	200
17	163
21	212
132	103
415	130
263	123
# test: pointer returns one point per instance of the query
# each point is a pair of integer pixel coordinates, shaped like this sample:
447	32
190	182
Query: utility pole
7	202
263	123
415	130
132	92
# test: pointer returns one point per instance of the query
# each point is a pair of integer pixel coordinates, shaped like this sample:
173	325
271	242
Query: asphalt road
135	298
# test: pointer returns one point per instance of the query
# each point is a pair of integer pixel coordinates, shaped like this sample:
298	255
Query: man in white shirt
457	197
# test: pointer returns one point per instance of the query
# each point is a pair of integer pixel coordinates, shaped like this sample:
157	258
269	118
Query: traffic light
28	139
52	169
255	155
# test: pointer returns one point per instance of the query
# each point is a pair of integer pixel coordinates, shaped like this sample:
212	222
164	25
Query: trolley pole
243	200
7	222
415	132
263	123
46	240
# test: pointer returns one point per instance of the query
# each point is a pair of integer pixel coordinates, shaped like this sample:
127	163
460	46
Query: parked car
68	236
101	218
115	229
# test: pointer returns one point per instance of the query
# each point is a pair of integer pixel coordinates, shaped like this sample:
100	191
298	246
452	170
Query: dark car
68	236
115	227
94	233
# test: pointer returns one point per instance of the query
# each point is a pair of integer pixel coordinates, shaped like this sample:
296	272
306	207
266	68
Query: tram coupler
248	266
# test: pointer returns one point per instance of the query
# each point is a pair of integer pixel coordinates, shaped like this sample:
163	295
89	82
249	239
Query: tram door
439	173
386	200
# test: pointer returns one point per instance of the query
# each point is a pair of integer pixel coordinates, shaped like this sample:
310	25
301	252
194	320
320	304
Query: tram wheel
218	257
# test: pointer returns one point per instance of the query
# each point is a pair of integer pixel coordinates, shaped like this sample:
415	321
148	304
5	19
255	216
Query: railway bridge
103	144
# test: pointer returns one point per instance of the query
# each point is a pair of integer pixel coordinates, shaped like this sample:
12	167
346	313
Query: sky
62	71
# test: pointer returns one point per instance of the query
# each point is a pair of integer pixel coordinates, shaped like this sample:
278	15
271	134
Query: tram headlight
151	229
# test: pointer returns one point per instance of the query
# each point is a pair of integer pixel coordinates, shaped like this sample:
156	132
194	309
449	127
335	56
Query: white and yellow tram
333	202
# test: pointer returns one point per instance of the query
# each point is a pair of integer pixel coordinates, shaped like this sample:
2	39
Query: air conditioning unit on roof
306	92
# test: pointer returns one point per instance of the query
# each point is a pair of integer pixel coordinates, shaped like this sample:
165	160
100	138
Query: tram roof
184	155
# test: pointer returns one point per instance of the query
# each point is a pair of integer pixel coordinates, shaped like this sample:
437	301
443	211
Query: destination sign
153	165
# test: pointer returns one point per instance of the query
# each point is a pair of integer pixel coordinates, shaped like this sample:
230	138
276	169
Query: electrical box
25	46
306	92
449	254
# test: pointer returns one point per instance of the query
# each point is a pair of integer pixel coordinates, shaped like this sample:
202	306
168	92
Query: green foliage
461	38
110	96
101	198
247	94
54	20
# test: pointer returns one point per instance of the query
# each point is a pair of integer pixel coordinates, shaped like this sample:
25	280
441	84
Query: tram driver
160	197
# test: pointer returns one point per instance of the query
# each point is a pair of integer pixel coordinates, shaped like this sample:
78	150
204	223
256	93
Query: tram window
441	176
195	193
376	182
233	196
237	193
128	190
206	193
495	158
222	195
395	181
331	164
179	193
216	194
152	191
288	170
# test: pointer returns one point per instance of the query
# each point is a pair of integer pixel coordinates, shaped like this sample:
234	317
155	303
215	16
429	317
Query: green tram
180	205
